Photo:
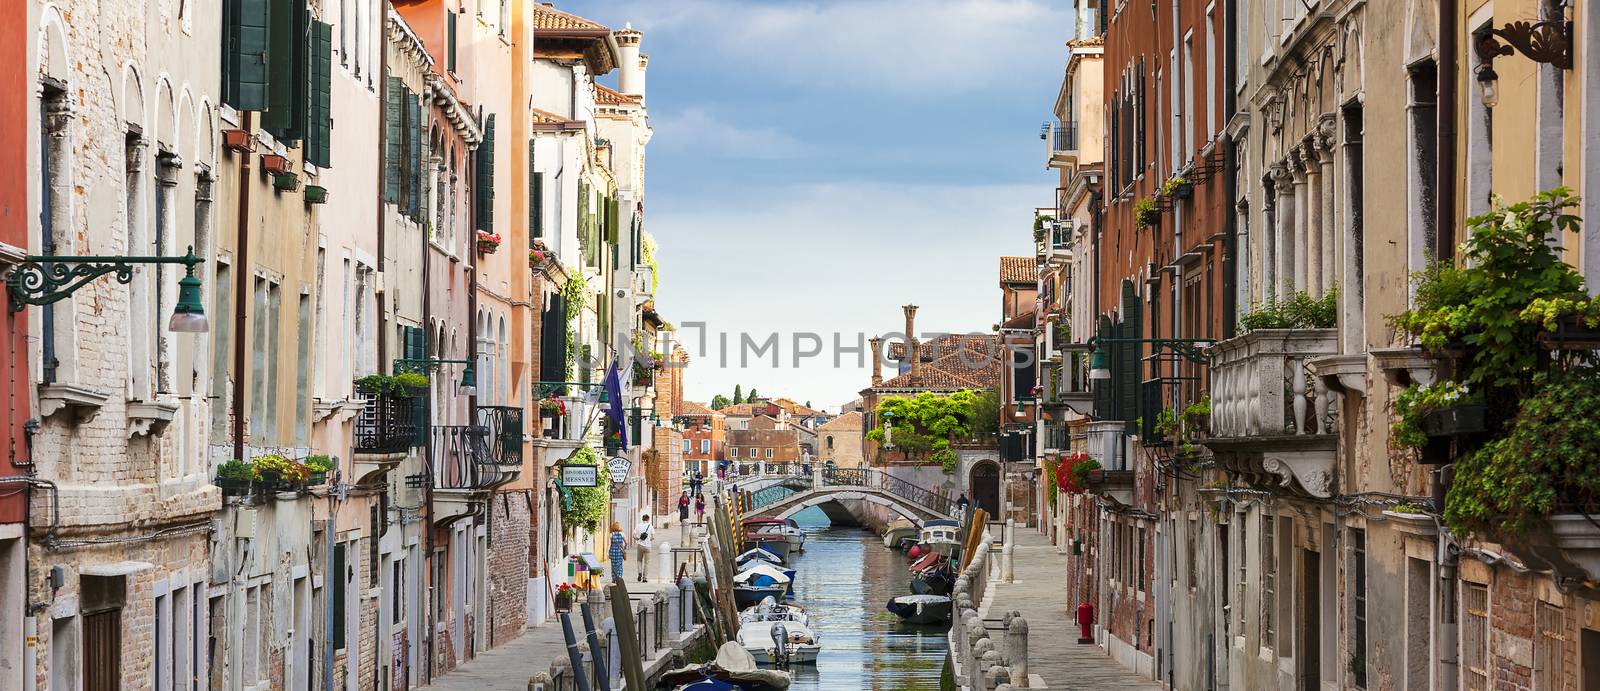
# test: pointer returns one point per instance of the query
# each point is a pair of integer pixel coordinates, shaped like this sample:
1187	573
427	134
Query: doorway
1311	621
985	486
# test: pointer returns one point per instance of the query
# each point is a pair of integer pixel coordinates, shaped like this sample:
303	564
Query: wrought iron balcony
1271	419
387	424
1061	142
504	424
461	458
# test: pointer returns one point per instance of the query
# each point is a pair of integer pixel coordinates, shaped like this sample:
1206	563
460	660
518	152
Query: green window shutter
553	340
602	305
319	142
414	346
1128	374
583	219
288	90
393	100
413	174
424	173
450	41
485	178
613	211
244	64
1104	398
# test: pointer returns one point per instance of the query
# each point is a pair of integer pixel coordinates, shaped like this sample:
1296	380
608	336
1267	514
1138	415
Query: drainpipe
1230	222
1445	214
383	324
242	292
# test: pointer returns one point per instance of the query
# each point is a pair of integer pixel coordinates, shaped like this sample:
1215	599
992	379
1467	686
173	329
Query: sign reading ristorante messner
580	475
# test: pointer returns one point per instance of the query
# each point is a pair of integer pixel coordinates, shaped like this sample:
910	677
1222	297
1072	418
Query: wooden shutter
336	575
413	174
450	41
288	89
583	221
1104	401
393	100
1128	369
245	54
613	213
414	346
533	197
553	340
485	178
319	129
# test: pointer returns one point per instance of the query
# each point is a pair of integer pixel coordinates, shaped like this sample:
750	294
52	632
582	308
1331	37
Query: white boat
940	536
759	553
771	610
800	644
787	527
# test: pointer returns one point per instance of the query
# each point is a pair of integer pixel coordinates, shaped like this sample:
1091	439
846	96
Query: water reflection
845	577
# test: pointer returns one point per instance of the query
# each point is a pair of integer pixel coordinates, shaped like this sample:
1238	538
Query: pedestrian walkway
1053	652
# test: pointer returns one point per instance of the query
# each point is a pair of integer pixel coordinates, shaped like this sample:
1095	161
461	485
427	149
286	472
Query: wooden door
102	650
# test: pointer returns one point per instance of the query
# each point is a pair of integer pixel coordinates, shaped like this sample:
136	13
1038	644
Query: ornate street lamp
41	280
469	376
1547	42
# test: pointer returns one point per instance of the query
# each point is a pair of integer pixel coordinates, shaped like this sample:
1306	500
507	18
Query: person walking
641	544
700	509
683	507
618	550
697	482
962	503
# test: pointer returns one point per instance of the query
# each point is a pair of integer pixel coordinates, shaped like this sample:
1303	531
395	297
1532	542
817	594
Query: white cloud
932	46
701	131
831	258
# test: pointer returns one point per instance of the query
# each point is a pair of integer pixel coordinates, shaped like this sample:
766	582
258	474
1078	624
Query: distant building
839	441
704	437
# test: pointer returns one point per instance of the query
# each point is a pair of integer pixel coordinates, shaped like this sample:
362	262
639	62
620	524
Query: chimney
631	82
877	360
912	350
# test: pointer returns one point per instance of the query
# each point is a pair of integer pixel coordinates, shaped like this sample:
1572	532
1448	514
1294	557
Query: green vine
647	248
1145	213
576	294
1415	402
587	505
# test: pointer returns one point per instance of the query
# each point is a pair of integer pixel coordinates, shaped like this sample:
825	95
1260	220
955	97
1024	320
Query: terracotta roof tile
693	408
1017	270
548	18
954	361
850	420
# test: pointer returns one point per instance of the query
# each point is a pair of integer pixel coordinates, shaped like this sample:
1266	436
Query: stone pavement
1037	592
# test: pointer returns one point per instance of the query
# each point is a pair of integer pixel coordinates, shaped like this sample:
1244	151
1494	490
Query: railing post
1017	651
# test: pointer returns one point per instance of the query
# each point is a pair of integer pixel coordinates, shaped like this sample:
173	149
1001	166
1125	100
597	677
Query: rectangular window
686	443
1358	605
163	644
1549	645
1139	585
1188	99
1269	582
1194	552
733	452
769	453
705	446
221	362
258	359
1244	571
1209	83
1418	633
450	41
1424	162
397	588
1474	637
302	376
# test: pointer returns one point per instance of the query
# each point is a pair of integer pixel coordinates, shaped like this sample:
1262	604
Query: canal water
844	578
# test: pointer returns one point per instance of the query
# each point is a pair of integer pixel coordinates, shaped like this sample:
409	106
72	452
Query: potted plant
279	473
488	242
318	466
234	477
565	596
552	409
537	258
1442	409
1145	213
1177	187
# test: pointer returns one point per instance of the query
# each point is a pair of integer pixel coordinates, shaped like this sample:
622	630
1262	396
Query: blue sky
816	164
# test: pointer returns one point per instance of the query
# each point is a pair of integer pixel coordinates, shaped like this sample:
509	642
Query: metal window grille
1475	637
1269	582
1549	645
1358	604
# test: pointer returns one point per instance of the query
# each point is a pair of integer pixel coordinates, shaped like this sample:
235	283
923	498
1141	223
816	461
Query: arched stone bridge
784	499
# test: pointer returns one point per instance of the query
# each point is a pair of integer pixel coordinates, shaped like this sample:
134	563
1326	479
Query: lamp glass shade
1489	88
189	315
469	382
1098	369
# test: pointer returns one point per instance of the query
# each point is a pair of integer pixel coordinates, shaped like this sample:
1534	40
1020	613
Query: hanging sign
580	475
619	467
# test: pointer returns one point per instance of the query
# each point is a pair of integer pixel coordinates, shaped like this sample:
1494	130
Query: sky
816	164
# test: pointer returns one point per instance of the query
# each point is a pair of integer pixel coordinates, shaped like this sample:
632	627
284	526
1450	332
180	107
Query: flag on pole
614	410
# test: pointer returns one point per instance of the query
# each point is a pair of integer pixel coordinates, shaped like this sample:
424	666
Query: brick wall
511	530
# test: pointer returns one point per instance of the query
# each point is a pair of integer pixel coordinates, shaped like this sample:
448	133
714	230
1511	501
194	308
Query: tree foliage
926	425
719	401
738	394
586	506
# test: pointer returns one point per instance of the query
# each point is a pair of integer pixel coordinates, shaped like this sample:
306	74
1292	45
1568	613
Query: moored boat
920	609
780	642
940	536
901	535
787	527
733	668
776	543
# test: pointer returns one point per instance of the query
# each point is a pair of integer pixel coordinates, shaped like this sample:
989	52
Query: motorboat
901	535
932	575
776	543
787	527
733	668
770	609
940	536
759	553
921	609
760	581
748	565
780	643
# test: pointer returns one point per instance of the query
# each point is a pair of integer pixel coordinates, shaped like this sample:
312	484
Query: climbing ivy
576	294
586	506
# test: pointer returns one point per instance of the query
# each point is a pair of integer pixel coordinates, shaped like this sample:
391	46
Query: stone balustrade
1260	386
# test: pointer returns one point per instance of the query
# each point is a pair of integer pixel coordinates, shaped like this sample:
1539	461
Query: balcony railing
504	423
461	458
386	424
1061	137
1260	386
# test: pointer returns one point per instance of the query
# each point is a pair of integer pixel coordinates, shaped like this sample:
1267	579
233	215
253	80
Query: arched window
830	442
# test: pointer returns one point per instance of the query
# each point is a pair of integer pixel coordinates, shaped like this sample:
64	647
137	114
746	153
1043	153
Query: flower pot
487	247
1183	191
233	486
564	601
316	194
274	164
238	141
285	182
317	479
1454	421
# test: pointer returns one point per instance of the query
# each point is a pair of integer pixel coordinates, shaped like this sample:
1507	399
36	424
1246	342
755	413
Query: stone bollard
989	661
664	562
541	681
1007	554
1017	651
977	643
996	677
561	674
673	620
686	603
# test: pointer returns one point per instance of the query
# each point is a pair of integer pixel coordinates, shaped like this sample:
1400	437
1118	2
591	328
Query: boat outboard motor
780	636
